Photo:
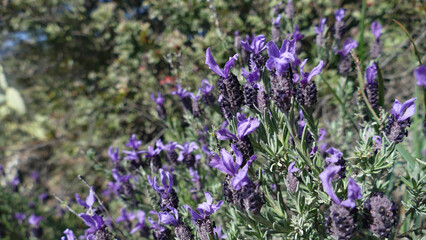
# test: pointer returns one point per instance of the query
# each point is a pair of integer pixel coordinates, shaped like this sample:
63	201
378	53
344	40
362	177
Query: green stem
340	102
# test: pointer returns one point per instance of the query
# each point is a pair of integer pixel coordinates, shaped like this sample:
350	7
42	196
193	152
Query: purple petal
228	161
396	108
211	63
217	163
238	156
420	75
339	14
354	193
70	234
169	219
230	64
320	28
326	177
246	127
88	220
376	29
292	168
80	201
302	65
277	21
371	73
246	46
240	179
335	155
316	70
225	134
408	108
322	133
195	215
273	51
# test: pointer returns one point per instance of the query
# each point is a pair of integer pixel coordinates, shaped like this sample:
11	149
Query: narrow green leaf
381	86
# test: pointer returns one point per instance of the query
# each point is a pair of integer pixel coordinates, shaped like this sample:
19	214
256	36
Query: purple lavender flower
169	149
140	225
276	28
186	154
319	30
194	175
211	63
202	218
400	119
196	107
34	222
291	181
43	197
69	235
184	97
20	217
289	9
307	92
376	45
15	183
371	88
376	29
326	178
160	232
339	25
380	214
276	21
97	228
335	155
420	75
121	186
126	218
354	193
159	105
346	60
206	93
256	46
280	60
90	199
114	155
168	196
172	218
152	157
133	142
378	141
2	170
253	76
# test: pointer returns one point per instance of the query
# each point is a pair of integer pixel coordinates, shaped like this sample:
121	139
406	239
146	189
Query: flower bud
380	214
341	222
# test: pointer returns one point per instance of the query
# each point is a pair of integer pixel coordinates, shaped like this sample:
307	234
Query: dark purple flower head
15	182
297	35
94	223
335	155
69	234
348	45
170	146
339	14
292	168
113	154
133	142
43	197
376	29
90	199
320	28
125	217
404	111
253	76
420	75
205	209
371	73
205	87
166	180
34	220
215	68
307	76
354	193
20	217
245	126
276	21
159	100
281	59
326	178
169	218
151	151
257	45
182	93
218	232
141	222
187	148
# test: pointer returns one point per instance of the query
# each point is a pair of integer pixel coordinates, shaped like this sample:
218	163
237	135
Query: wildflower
256	47
399	120
153	160
345	59
34	222
69	234
196	108
168	196
159	105
420	75
341	222
262	99
184	97
326	178
15	183
97	229
307	92
218	233
186	154
114	155
376	45
169	149
140	225
122	185
339	25
202	218
160	232
276	28
291	181
372	89
134	155
228	83
126	218
90	200
20	217
336	159
245	126
380	214
298	37
206	93
289	9
182	231
319	30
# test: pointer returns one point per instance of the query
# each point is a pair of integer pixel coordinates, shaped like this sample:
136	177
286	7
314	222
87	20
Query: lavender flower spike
307	76
376	29
281	59
335	155
69	234
372	88
348	45
354	193
140	215
403	111
256	46
159	100
246	125
291	181
420	75
319	30
168	218
96	226
339	14
218	232
164	190
133	142
326	178
292	168
400	120
205	209
90	200
211	63
114	155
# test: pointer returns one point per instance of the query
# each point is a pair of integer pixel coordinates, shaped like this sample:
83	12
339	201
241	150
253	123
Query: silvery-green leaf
14	100
3	82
